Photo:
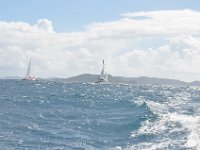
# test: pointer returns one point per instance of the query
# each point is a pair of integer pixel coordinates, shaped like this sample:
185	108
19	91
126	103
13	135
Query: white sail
106	77
28	70
28	76
103	77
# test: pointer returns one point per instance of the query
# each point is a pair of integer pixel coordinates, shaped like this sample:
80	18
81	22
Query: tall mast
102	76
29	69
103	67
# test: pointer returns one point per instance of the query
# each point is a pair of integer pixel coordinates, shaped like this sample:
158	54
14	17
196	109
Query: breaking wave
59	115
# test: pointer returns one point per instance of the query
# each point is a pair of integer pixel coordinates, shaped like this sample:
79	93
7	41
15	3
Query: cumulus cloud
154	43
44	25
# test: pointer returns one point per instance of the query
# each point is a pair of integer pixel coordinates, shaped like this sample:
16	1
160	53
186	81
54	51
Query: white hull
30	78
101	81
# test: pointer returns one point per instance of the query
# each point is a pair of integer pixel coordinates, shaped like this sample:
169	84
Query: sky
152	38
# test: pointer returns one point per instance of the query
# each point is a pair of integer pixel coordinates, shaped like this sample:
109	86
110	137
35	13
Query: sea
55	115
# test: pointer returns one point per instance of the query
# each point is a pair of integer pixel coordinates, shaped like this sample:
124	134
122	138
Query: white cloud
155	43
44	25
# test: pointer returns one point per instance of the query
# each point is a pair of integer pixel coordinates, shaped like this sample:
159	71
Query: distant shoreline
88	78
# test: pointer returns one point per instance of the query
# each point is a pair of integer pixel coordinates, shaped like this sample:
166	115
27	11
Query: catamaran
28	77
103	77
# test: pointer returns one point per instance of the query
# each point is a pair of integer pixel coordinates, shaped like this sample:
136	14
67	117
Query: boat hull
30	78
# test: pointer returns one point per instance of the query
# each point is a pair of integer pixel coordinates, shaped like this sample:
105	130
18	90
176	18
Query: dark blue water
79	116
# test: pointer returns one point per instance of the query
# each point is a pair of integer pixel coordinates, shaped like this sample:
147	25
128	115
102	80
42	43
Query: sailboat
103	77
28	77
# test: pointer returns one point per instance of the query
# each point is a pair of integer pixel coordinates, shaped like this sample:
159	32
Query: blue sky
73	15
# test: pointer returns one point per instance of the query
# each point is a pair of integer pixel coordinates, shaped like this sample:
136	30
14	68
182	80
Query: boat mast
103	77
102	72
29	69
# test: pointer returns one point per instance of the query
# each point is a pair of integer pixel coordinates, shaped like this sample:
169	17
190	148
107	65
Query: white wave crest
139	101
173	128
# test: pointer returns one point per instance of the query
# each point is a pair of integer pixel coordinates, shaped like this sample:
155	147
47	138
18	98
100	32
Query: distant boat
28	77
103	77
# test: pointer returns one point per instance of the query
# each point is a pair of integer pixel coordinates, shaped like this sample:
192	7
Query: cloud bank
156	43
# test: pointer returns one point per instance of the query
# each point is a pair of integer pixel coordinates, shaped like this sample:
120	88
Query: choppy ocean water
79	116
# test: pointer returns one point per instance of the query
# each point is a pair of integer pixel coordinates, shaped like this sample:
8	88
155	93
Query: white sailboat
103	77
28	77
